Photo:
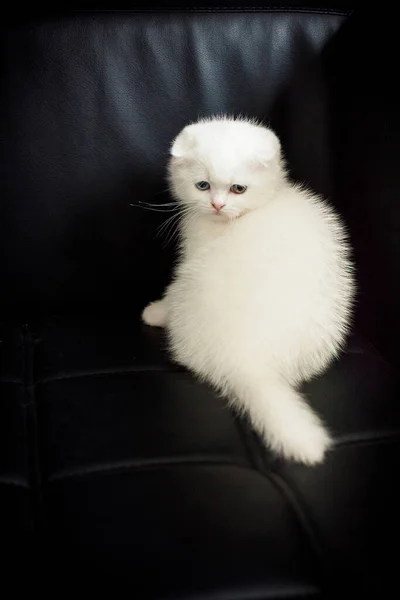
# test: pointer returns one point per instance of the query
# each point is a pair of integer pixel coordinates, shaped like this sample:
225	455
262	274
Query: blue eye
202	185
238	189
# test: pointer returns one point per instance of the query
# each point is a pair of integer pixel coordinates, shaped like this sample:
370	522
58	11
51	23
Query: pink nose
217	205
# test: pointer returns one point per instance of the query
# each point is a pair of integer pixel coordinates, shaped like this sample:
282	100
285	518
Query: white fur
262	295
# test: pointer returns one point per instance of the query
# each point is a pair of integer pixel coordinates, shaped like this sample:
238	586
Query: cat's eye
238	189
202	185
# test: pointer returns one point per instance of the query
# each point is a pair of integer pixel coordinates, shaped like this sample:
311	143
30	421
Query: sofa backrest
89	105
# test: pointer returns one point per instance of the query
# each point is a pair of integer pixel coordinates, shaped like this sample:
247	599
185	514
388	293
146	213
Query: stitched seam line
167	368
111	371
254	462
147	464
284	591
367	438
303	518
224	9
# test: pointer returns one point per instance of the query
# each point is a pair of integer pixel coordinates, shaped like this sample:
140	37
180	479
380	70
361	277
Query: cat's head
225	167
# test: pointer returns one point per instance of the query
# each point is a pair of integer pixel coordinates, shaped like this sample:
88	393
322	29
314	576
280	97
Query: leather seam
114	371
155	463
367	439
302	516
225	9
146	465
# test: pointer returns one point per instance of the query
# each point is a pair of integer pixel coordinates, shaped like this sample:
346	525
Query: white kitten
262	295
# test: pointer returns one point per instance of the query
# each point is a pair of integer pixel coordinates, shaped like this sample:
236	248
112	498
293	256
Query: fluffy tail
282	418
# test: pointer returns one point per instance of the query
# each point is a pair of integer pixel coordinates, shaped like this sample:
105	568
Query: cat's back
296	230
275	278
287	246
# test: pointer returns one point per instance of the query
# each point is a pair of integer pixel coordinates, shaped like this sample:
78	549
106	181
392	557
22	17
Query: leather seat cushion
114	456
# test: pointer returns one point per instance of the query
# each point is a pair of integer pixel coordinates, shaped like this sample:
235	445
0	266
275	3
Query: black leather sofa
115	466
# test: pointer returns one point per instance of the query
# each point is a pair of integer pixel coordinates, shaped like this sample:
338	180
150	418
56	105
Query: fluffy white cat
262	294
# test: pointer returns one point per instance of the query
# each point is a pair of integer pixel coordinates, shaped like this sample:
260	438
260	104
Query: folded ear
183	143
269	147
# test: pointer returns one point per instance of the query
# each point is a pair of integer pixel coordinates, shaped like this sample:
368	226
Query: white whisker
170	227
163	210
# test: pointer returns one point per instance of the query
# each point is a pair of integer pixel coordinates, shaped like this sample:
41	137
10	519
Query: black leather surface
132	462
17	505
115	465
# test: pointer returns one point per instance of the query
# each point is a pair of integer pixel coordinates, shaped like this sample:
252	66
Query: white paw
155	314
304	442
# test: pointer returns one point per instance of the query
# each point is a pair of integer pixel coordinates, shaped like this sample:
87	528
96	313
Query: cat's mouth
225	216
